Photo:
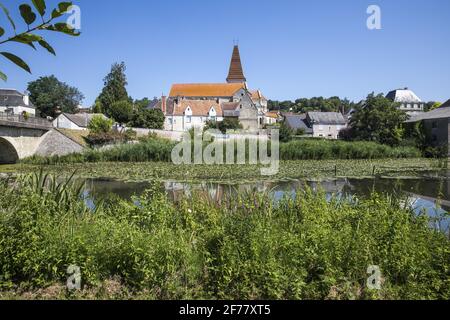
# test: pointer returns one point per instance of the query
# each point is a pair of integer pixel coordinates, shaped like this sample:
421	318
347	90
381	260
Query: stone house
192	105
79	121
326	124
14	102
437	125
409	101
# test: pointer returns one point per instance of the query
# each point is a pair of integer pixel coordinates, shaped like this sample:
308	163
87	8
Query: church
192	105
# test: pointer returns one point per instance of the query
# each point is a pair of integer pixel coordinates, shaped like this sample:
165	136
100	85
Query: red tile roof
205	89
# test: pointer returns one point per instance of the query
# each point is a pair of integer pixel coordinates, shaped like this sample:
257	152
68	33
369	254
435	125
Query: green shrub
245	248
100	124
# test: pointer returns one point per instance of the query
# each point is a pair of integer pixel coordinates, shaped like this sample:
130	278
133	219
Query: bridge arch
8	153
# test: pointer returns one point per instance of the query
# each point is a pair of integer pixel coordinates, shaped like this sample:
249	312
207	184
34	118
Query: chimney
26	100
163	104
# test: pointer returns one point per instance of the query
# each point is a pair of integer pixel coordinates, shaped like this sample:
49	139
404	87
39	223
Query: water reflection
429	194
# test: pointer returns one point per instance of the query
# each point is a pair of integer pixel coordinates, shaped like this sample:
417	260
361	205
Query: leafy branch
28	37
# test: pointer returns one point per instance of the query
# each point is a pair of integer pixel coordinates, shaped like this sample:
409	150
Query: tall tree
49	95
114	88
378	119
29	36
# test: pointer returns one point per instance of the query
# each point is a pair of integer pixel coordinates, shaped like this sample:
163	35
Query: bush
100	124
150	119
244	248
121	111
319	149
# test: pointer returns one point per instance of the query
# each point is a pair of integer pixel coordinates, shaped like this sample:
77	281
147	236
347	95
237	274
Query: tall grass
246	247
315	149
307	149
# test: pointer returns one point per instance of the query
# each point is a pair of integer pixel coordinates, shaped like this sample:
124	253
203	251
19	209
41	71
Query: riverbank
311	247
298	169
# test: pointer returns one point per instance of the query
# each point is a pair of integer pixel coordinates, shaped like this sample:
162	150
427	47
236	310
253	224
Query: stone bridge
22	137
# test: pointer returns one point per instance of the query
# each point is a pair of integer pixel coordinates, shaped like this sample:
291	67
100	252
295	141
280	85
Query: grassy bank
244	248
301	169
154	149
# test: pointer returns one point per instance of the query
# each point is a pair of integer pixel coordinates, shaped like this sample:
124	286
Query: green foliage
121	111
286	133
150	119
303	105
50	95
244	248
106	138
225	125
29	36
114	88
156	149
379	120
100	124
319	149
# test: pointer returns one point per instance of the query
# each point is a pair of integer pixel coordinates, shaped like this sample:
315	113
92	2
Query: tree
378	119
225	125
29	36
142	103
435	105
100	124
48	94
150	119
114	88
121	111
286	133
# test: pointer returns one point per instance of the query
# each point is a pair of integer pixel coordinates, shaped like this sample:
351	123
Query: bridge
22	137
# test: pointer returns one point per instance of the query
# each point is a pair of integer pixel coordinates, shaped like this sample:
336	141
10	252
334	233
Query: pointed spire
236	73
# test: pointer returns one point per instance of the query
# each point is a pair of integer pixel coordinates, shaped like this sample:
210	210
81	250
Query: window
188	119
434	125
434	138
170	120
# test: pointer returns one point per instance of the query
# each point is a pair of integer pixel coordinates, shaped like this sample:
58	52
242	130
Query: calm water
421	193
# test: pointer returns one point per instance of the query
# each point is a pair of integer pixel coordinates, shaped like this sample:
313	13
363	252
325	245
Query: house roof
333	118
205	89
297	121
199	107
272	114
82	119
403	95
154	104
236	73
256	95
13	98
440	113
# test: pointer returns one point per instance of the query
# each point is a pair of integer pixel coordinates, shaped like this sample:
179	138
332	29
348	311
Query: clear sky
289	48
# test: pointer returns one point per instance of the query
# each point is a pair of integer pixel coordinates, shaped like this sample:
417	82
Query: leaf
27	14
62	9
2	31
5	10
40	6
3	76
45	45
16	60
64	28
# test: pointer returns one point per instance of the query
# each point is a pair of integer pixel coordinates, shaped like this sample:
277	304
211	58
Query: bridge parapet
24	121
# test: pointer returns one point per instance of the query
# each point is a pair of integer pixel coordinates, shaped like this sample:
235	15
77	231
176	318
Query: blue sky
289	48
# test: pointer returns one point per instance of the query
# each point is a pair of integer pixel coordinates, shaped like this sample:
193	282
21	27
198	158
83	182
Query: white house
14	102
79	121
409	101
326	124
184	115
